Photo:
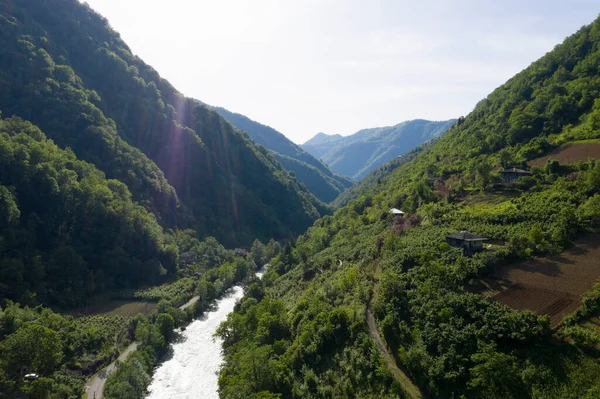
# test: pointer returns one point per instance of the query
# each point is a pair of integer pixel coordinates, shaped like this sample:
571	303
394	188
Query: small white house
395	212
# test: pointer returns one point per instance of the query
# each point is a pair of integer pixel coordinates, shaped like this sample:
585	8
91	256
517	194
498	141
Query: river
192	372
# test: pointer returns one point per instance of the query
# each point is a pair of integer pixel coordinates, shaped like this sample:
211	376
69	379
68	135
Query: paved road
95	387
189	303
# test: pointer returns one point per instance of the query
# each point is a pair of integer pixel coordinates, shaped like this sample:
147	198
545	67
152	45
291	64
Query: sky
338	66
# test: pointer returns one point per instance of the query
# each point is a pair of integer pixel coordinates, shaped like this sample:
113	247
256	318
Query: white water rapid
192	372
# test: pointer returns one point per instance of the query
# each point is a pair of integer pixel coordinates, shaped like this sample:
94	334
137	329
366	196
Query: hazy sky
338	66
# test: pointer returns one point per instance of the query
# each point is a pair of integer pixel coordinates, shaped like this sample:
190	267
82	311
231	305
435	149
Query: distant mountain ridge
317	177
362	152
324	138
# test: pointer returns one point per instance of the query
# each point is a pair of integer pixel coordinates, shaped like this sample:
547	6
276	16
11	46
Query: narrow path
94	388
412	391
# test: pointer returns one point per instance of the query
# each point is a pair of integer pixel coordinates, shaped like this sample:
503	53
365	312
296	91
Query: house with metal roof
466	241
511	175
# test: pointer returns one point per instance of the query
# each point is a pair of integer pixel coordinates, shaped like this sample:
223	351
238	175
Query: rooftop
466	236
395	211
516	170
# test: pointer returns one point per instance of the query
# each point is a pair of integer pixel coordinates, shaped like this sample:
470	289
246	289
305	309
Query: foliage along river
193	370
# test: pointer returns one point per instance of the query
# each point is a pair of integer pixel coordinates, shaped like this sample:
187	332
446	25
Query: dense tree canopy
64	69
66	232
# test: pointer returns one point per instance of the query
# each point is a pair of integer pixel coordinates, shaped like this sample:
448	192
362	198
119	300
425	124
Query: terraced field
551	286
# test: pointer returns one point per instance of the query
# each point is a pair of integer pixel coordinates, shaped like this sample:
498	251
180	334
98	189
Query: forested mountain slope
376	177
64	69
66	232
306	323
317	177
360	153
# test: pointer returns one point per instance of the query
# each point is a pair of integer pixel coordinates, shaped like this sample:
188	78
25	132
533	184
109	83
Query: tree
40	388
537	238
166	324
255	291
552	166
274	248
259	253
149	335
9	211
593	178
33	348
484	170
495	374
589	212
505	157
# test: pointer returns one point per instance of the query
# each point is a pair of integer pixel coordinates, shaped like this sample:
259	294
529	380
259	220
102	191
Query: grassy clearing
496	202
588	141
177	292
116	307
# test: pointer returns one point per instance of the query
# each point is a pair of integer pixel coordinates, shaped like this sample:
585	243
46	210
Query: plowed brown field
552	286
570	153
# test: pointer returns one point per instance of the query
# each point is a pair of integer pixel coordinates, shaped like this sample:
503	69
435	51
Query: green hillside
377	176
65	231
362	152
307	323
317	177
64	69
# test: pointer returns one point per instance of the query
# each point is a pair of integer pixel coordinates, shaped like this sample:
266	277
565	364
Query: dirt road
95	386
412	391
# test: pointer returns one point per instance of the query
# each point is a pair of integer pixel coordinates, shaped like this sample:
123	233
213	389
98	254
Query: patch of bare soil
551	286
570	153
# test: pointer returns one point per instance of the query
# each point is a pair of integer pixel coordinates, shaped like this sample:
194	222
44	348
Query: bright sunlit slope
306	325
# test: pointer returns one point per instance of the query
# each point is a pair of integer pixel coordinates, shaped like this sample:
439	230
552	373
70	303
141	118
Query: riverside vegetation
301	332
65	350
154	333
